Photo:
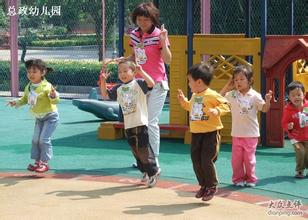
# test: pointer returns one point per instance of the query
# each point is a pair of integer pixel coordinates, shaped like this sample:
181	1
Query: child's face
145	23
194	85
34	74
241	83
296	97
126	73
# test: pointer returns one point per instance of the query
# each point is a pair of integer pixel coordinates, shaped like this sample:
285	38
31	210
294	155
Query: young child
132	97
245	103
295	123
205	108
42	98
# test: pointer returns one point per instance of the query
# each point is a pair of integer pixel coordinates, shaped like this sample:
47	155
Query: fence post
103	30
14	50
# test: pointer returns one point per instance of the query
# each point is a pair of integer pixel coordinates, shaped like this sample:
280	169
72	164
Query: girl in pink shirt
245	103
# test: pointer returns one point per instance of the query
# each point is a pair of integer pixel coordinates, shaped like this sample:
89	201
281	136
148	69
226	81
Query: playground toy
280	52
106	110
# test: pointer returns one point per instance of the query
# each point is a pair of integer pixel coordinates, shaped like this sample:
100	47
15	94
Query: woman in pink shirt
150	49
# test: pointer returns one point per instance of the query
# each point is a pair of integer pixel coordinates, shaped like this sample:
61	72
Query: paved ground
67	54
89	197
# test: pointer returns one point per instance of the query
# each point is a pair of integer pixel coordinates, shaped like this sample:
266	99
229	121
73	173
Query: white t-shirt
133	101
244	109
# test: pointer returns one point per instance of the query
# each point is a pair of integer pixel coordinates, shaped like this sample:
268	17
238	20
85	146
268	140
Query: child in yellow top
205	108
42	98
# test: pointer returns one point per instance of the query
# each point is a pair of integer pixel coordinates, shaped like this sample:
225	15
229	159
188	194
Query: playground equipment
106	110
280	52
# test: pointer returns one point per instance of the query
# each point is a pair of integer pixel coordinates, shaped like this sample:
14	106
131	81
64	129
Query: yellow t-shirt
199	119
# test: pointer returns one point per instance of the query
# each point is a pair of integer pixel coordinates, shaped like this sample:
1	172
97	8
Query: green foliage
29	35
66	73
3	19
72	41
113	70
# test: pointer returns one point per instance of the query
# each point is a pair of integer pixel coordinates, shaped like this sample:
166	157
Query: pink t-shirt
147	48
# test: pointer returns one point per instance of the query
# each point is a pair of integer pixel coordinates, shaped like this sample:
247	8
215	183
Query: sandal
32	167
43	167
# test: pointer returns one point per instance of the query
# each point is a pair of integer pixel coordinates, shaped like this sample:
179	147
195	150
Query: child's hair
295	85
129	63
147	9
246	70
40	64
202	71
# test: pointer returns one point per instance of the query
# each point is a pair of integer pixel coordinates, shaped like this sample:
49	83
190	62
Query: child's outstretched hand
139	70
53	93
181	96
104	74
213	112
290	126
268	96
11	103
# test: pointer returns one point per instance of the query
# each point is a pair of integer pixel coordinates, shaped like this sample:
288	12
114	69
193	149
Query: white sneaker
240	184
153	179
144	177
250	184
134	165
157	162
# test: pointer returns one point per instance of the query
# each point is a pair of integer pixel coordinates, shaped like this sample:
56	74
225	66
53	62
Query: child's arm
102	84
221	108
54	96
183	100
148	79
21	101
286	123
267	104
228	87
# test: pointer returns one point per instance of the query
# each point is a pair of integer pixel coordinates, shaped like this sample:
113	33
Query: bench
115	130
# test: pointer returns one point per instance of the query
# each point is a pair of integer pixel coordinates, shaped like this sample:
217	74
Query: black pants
138	139
204	151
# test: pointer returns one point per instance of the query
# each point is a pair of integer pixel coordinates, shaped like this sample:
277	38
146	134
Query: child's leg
144	151
209	152
195	153
237	161
35	150
250	159
300	155
50	124
131	136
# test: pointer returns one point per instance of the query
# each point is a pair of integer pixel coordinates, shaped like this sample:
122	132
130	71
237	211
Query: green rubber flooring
77	150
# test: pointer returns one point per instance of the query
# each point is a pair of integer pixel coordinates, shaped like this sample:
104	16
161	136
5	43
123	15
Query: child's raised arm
228	87
267	104
103	76
148	79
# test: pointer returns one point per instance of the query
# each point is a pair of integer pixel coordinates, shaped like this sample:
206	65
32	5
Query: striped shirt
147	48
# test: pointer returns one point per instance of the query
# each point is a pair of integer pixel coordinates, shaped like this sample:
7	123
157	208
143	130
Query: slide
106	110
